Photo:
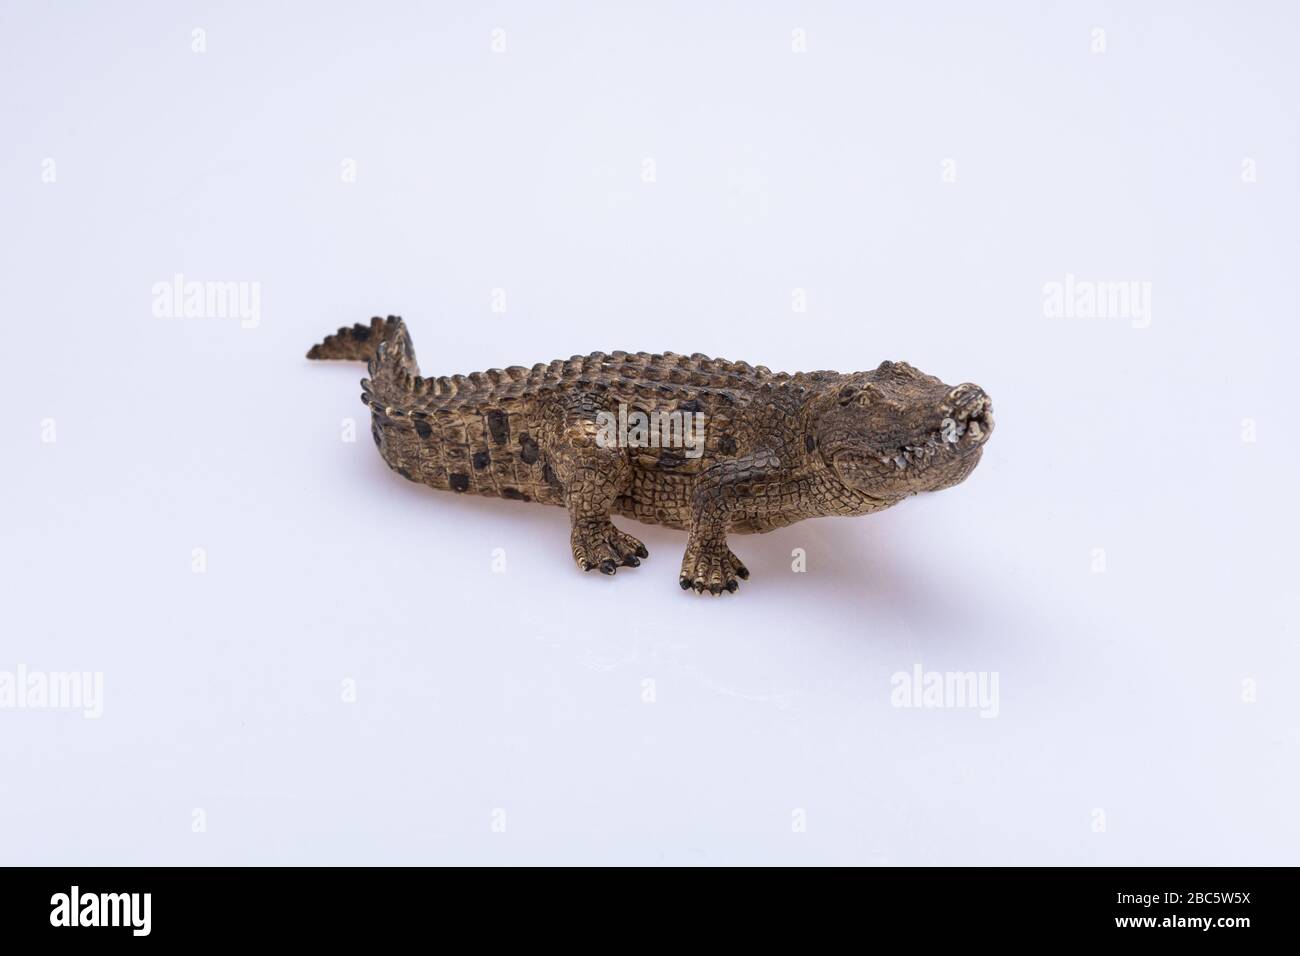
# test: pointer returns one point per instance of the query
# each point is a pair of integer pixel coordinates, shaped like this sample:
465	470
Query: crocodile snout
970	406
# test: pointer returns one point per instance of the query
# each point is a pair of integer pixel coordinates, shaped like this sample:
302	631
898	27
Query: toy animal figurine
705	445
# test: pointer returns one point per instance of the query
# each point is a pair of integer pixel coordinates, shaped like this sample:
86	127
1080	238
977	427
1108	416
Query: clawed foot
714	569
602	547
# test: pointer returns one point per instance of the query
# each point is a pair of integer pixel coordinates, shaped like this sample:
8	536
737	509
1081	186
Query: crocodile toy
705	445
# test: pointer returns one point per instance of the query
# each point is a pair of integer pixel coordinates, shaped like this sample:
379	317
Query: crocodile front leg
593	478
742	487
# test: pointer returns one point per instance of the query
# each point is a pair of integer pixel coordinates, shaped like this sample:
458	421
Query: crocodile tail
385	346
362	343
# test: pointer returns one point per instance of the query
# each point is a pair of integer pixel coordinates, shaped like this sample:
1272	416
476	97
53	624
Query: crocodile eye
864	395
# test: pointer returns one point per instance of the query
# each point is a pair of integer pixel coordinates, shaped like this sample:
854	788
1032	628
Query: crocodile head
896	431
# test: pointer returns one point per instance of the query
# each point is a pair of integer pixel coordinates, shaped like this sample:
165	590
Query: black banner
333	906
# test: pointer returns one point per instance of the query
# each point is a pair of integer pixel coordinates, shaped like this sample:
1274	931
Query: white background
1120	691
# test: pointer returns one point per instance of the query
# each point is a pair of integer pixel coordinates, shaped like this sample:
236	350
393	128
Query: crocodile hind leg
593	477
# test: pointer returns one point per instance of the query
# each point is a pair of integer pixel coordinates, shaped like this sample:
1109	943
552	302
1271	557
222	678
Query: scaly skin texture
777	448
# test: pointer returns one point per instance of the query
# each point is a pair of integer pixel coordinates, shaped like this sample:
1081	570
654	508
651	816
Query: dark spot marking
549	476
360	333
422	428
459	482
528	451
498	426
374	432
481	460
405	474
691	407
727	445
809	443
514	494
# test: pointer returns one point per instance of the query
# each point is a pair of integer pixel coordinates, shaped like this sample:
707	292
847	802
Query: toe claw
742	572
591	538
732	586
641	551
685	583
